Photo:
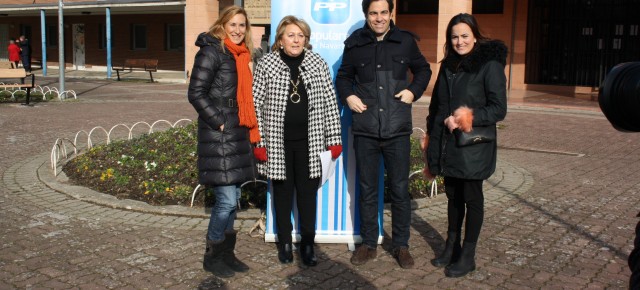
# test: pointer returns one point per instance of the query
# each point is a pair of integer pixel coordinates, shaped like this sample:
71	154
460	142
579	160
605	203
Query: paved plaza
560	210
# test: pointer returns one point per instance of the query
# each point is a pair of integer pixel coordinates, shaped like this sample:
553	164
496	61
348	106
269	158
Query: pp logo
330	11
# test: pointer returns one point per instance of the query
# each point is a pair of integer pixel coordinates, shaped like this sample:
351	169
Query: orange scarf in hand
246	110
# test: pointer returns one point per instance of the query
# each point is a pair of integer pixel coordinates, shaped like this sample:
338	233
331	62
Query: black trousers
297	178
26	62
465	200
396	154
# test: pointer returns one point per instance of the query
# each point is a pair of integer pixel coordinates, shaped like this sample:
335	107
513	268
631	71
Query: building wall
29	2
431	29
121	37
426	27
199	16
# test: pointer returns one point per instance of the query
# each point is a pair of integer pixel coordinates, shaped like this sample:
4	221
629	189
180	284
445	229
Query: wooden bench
9	73
130	64
6	64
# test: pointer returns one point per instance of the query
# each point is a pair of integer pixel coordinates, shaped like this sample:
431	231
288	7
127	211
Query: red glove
260	153
335	150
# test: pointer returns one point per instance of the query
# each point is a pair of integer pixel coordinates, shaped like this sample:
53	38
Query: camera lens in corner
619	97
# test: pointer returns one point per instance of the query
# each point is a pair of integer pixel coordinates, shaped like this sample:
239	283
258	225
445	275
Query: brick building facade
552	47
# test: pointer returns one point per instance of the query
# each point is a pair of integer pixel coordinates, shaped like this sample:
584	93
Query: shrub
160	169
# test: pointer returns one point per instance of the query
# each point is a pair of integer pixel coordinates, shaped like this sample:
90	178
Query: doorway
78	47
4	34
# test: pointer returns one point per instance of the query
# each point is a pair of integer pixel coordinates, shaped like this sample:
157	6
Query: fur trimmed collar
481	54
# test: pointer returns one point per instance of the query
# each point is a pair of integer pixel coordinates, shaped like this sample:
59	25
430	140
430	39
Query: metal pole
108	44
184	40
61	63
513	44
43	28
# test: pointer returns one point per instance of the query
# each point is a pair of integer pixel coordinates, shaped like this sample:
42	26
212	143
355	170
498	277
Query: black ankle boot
451	251
229	257
308	255
465	264
285	253
212	261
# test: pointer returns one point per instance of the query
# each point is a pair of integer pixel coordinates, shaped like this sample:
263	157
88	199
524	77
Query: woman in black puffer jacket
471	79
220	91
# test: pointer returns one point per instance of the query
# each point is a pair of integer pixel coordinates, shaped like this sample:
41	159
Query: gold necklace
295	97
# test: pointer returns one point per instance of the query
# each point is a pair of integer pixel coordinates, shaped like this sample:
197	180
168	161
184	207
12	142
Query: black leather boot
213	260
451	251
285	252
465	264
229	257
308	255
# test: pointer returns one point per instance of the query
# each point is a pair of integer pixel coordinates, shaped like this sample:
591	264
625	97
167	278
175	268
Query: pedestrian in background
469	94
25	53
14	53
220	91
298	116
374	83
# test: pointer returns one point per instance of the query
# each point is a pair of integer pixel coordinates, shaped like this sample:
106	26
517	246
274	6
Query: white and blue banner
338	221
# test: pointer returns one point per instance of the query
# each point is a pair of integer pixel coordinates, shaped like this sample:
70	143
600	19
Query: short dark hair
367	3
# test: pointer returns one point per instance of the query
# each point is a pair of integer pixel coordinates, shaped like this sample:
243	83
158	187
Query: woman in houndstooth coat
298	118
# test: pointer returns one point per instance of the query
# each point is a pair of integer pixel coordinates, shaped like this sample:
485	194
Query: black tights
465	195
297	173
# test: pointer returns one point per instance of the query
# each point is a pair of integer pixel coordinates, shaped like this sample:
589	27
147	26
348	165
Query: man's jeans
223	213
396	153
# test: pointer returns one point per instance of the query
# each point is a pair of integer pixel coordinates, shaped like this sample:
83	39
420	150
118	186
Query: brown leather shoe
363	254
404	258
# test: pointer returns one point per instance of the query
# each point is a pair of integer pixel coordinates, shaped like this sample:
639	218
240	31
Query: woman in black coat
471	77
220	91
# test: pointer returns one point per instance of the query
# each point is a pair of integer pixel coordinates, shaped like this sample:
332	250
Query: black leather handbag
480	134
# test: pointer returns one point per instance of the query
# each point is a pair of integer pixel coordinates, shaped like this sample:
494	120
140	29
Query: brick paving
560	210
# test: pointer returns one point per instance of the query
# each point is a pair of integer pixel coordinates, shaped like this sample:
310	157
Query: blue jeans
396	154
223	213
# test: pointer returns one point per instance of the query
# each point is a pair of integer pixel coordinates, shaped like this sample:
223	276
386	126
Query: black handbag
480	134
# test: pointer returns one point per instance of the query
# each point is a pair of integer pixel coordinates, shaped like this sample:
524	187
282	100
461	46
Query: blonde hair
217	29
286	21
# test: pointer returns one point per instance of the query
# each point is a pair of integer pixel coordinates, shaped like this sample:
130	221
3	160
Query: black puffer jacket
375	71
226	157
477	81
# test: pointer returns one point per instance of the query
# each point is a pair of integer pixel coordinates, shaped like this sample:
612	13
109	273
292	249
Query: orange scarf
246	110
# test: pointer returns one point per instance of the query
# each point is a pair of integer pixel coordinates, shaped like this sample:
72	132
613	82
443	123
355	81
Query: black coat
477	81
25	47
226	157
376	71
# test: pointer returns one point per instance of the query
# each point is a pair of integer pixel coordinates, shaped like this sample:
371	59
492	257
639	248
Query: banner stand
338	219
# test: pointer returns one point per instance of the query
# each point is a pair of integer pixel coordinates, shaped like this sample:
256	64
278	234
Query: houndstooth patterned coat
270	93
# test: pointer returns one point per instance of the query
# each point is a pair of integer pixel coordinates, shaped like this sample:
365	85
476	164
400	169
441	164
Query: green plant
160	169
157	168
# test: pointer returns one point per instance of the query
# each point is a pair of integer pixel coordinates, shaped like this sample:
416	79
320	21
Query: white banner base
351	240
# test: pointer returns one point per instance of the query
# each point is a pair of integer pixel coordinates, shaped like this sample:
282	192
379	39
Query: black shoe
451	251
308	255
465	264
285	253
